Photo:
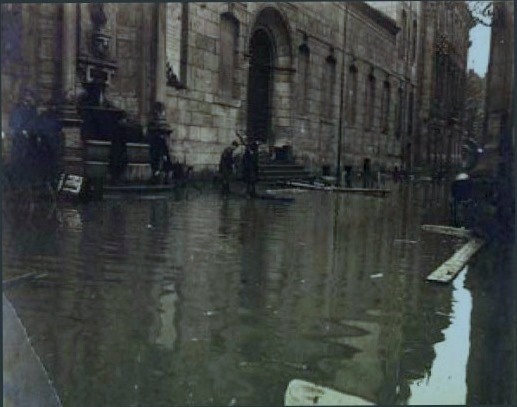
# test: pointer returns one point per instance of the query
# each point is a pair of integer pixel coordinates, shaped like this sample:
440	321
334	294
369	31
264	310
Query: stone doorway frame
274	22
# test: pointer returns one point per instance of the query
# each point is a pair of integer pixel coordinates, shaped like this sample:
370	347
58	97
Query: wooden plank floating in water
451	268
303	393
369	191
448	230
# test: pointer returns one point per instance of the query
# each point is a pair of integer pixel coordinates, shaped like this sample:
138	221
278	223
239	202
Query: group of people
163	168
36	146
249	167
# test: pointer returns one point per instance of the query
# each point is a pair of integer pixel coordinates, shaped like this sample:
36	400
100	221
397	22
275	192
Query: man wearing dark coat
226	167
250	168
118	152
160	156
23	127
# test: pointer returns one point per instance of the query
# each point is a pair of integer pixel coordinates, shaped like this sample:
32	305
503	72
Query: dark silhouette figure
367	173
396	174
23	123
348	176
250	168
226	167
160	158
118	152
49	147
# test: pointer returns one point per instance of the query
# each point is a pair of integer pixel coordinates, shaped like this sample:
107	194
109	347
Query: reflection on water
446	383
209	302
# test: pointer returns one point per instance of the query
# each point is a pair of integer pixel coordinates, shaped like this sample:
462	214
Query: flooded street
199	300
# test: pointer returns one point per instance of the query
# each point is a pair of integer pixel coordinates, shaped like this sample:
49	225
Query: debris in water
406	241
232	402
209	313
149	226
377	275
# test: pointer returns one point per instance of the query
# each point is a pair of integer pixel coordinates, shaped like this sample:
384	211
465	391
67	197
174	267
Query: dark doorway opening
259	87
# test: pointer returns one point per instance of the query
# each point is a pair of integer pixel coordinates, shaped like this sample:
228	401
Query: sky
480	49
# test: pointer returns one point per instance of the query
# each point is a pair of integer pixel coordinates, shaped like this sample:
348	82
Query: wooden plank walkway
451	268
369	191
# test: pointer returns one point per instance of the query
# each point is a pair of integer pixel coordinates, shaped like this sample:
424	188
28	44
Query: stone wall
312	56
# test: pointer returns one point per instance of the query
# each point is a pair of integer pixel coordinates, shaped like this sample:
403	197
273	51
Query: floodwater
199	300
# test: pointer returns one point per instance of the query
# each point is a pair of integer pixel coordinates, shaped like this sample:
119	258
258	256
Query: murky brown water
206	301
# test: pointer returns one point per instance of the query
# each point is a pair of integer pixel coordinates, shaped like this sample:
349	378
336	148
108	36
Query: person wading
226	167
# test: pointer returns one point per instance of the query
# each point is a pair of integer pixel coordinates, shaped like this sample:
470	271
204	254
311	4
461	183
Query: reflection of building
276	70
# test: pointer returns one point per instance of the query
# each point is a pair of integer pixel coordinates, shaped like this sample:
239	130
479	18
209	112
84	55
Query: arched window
303	77
370	102
228	55
385	111
351	95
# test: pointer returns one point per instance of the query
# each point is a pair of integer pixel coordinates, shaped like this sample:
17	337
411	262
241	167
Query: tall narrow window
410	114
328	85
414	38
370	102
303	77
351	95
385	113
176	42
400	112
402	35
229	30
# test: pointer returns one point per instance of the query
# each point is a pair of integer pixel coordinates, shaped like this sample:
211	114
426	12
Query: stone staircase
272	172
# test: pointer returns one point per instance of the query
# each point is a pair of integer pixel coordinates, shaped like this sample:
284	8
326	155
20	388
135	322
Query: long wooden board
448	230
304	393
303	185
451	268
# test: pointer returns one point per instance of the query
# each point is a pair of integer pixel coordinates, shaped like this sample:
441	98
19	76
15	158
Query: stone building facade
444	43
500	75
339	82
475	96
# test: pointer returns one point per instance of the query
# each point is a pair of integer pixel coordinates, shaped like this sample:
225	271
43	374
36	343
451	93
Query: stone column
73	149
158	121
160	80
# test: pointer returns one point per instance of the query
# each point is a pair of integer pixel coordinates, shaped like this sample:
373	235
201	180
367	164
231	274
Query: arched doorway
259	86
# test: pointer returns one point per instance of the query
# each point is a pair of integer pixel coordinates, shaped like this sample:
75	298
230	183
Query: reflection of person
226	166
250	168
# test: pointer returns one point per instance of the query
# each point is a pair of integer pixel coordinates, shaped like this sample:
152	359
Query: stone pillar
160	79
73	160
158	121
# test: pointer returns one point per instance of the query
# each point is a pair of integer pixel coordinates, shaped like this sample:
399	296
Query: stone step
275	165
293	174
